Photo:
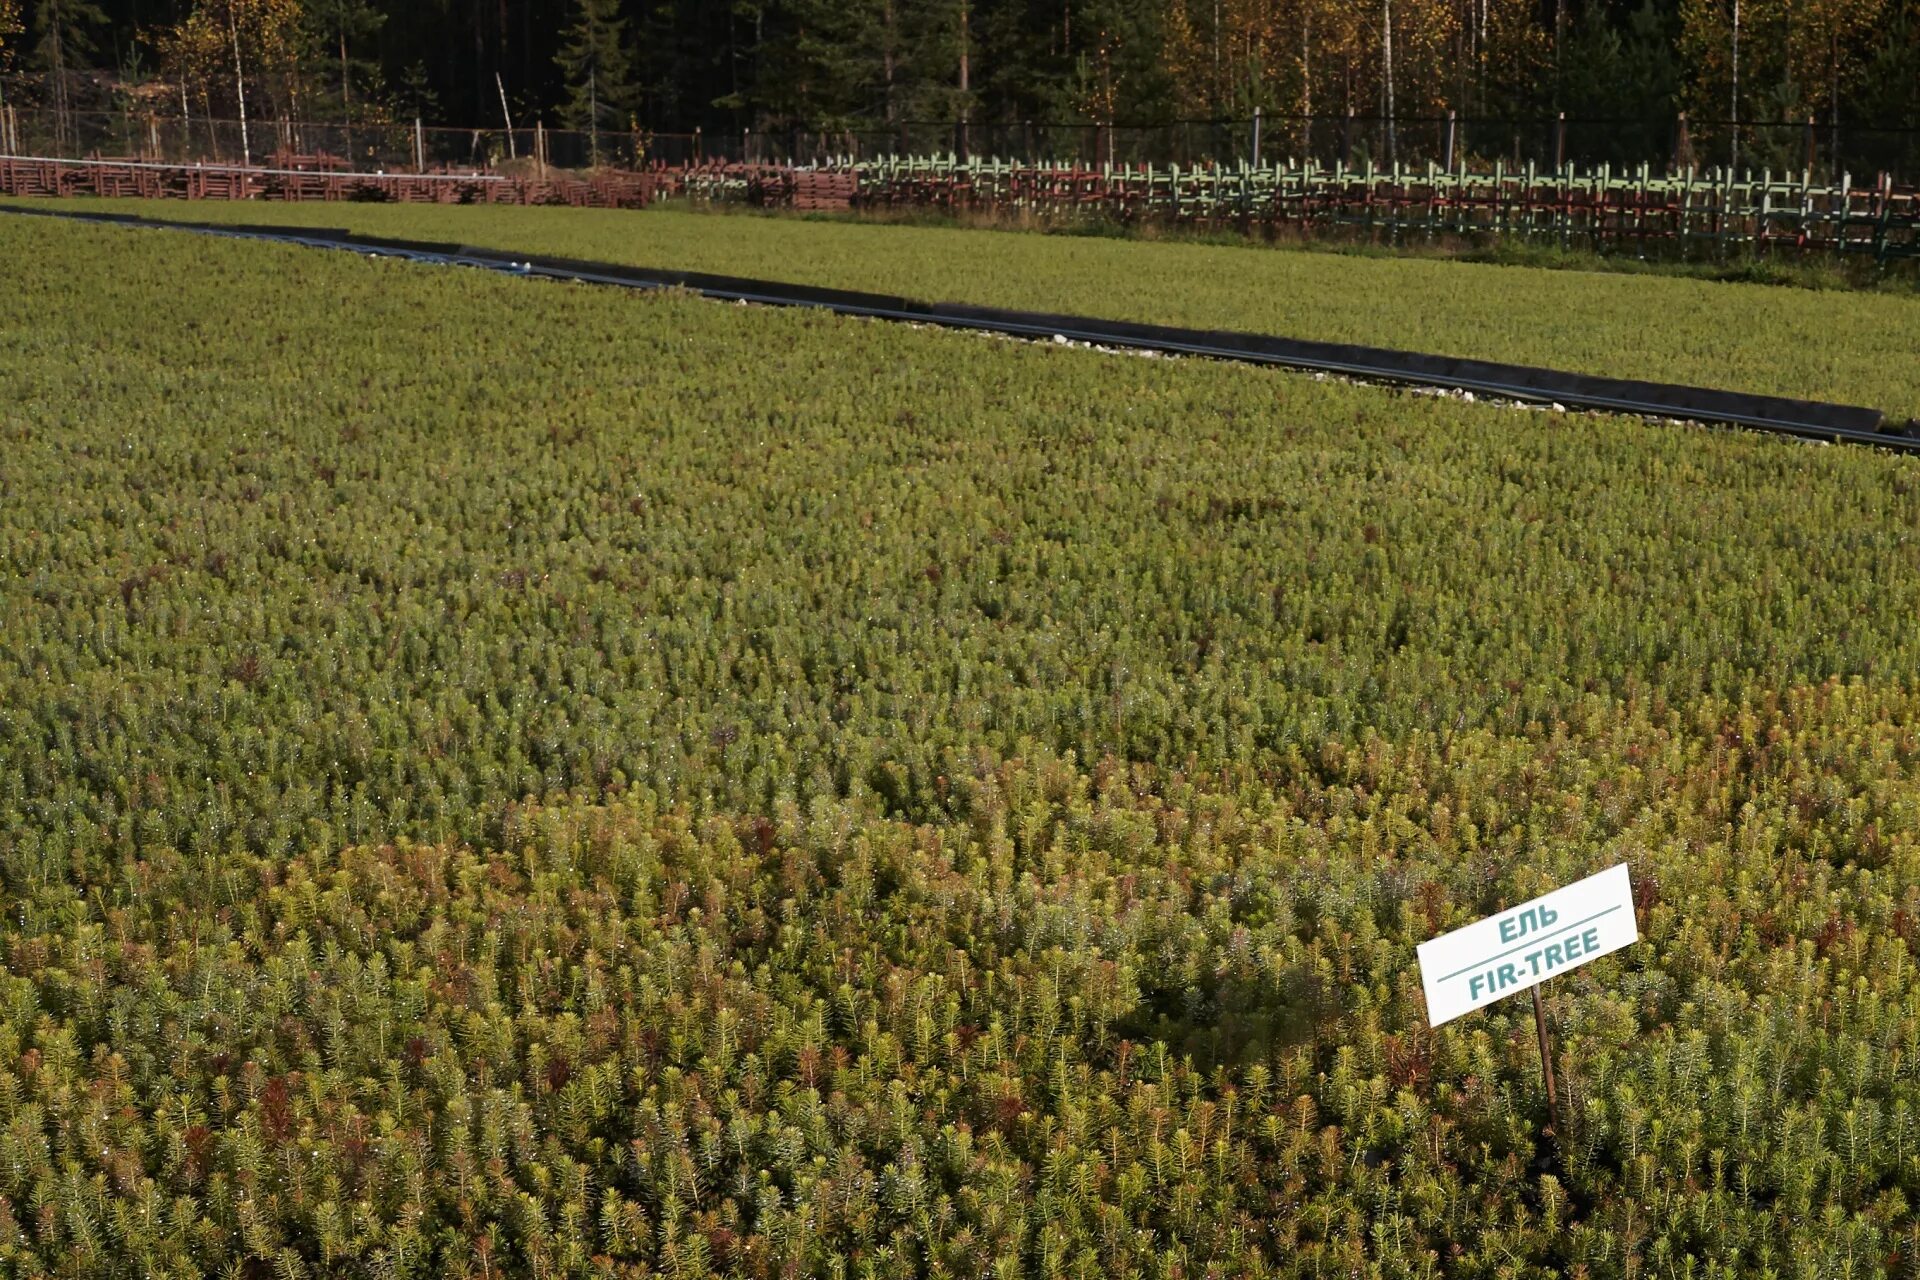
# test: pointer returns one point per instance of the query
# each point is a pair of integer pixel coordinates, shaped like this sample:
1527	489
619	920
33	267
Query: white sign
1523	946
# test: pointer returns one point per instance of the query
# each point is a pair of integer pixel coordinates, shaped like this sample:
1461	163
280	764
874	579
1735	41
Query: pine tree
599	70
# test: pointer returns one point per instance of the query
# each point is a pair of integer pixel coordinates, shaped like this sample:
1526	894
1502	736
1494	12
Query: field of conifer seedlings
508	780
1830	344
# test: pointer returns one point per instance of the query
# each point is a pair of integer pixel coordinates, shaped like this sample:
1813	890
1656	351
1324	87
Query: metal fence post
1256	138
1449	147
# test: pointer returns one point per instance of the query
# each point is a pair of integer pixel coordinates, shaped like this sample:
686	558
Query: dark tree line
671	65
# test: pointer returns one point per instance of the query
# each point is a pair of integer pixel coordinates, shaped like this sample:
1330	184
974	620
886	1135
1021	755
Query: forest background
678	65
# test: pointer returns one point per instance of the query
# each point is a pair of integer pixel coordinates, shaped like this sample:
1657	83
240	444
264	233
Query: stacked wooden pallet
117	176
295	177
617	189
292	176
220	182
724	181
1636	209
29	177
824	189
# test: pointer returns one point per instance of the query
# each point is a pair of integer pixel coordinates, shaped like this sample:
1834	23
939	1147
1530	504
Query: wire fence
1713	213
1825	150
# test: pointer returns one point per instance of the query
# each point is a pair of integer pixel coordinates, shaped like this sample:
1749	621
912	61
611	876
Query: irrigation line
1806	419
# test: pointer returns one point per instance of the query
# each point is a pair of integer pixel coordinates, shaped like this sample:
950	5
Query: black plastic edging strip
1810	419
1815	419
1518	382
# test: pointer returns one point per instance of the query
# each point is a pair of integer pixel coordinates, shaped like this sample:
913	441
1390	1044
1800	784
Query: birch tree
238	53
11	29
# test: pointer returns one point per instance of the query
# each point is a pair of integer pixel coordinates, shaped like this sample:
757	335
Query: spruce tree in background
414	94
1890	83
63	44
1622	70
837	64
342	29
598	71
